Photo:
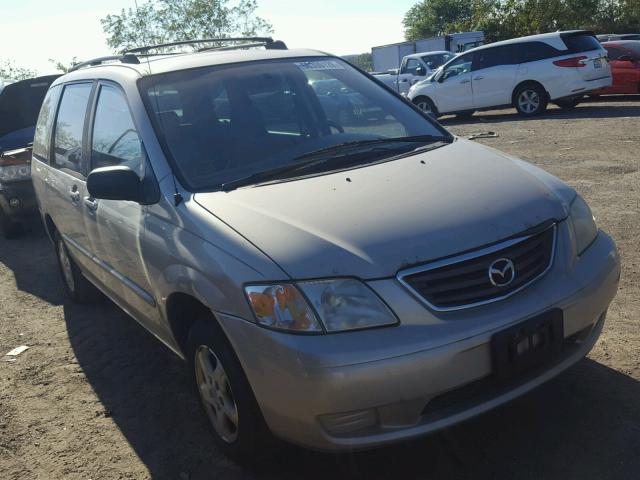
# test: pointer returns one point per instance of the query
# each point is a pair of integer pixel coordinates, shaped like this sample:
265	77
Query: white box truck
389	57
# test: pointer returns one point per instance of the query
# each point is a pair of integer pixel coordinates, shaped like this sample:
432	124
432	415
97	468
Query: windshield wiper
322	157
372	142
263	176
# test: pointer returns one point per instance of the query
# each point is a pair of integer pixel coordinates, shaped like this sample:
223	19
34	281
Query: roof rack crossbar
126	58
262	40
271	46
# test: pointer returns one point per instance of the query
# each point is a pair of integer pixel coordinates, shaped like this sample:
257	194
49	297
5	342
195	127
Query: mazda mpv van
337	286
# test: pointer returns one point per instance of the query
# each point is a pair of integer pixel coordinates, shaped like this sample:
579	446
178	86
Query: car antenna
177	196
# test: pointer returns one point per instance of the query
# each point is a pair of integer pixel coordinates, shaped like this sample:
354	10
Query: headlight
282	307
347	304
340	304
12	173
584	225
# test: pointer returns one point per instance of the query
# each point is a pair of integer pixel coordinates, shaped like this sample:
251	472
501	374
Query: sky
34	31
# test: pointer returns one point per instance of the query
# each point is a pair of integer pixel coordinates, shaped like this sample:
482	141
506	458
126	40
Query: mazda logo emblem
502	272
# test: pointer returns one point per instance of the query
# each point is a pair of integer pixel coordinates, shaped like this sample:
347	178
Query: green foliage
161	21
64	66
364	61
435	17
9	70
503	19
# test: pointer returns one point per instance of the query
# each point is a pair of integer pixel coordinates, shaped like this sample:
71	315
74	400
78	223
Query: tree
162	21
436	17
503	19
364	61
9	70
64	67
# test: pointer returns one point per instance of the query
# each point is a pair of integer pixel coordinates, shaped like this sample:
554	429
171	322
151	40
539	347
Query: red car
624	57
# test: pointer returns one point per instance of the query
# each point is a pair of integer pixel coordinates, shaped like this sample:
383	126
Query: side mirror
115	183
625	58
420	71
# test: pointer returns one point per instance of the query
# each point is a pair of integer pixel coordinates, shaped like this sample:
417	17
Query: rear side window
535	51
582	42
115	139
70	126
492	57
42	137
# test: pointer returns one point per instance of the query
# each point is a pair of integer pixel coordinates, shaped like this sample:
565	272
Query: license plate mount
527	345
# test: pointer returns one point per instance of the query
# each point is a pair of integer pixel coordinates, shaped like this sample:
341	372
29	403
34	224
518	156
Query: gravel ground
96	397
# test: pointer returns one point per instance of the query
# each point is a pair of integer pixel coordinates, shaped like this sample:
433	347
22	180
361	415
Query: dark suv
19	107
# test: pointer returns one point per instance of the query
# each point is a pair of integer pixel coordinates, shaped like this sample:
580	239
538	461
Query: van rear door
587	55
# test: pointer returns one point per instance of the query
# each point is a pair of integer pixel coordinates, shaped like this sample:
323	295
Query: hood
371	222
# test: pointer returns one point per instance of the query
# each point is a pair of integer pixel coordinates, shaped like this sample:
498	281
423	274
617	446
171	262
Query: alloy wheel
216	394
529	101
424	106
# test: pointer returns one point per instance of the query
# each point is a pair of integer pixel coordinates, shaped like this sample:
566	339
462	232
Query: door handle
91	204
478	78
465	81
74	194
403	80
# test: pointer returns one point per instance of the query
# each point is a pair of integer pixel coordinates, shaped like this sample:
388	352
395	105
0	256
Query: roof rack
267	42
126	58
131	55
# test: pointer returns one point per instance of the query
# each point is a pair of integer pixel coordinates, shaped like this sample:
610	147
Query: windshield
222	123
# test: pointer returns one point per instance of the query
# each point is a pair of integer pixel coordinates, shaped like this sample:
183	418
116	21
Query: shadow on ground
584	424
601	107
30	257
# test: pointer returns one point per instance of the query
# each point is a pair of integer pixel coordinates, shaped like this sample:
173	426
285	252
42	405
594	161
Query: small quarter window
70	127
115	139
44	124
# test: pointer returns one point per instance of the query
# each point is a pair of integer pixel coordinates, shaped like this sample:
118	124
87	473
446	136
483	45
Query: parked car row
526	73
338	282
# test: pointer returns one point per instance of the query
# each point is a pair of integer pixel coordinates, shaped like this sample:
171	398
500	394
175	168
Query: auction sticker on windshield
315	65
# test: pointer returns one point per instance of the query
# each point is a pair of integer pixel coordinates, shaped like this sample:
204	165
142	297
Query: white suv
526	72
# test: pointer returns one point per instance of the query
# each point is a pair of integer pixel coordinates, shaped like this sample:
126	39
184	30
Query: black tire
252	440
568	104
426	105
76	286
10	229
530	99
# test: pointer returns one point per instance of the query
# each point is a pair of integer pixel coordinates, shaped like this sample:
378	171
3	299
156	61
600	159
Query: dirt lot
96	397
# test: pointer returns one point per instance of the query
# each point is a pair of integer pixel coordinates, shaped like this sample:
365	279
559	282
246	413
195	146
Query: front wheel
530	100
426	105
232	411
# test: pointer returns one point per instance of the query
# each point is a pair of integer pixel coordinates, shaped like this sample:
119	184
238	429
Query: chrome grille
463	281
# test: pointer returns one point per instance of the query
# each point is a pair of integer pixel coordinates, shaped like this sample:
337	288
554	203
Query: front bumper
363	389
18	199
